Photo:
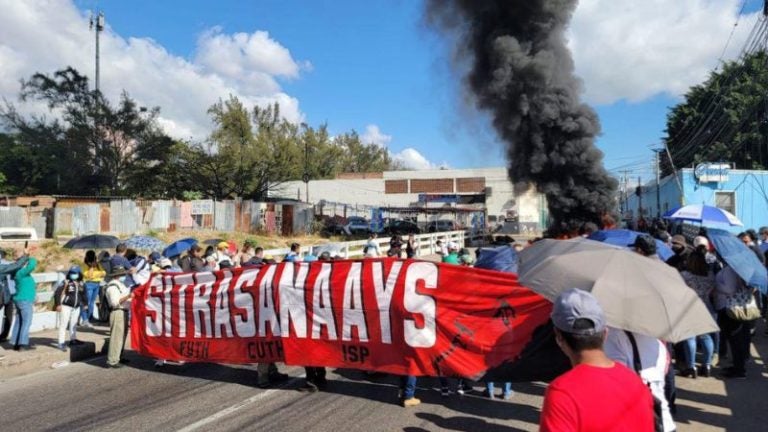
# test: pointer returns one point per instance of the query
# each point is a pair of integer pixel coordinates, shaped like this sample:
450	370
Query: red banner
387	315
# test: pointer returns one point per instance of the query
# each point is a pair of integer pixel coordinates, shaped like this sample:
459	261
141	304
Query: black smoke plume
522	72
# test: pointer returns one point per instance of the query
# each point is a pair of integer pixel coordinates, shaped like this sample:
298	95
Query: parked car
442	225
334	227
401	227
357	225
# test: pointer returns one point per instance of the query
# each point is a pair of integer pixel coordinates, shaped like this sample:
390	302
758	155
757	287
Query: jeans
8	311
408	385
20	332
91	293
507	388
690	350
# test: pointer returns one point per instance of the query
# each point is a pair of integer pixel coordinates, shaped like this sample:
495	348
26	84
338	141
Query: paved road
85	396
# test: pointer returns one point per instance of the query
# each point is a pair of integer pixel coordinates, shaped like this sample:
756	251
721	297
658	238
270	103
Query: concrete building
432	194
742	192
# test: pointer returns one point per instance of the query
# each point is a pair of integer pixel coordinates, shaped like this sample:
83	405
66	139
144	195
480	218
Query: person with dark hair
68	299
193	260
598	394
750	242
8	269
93	276
119	259
682	250
24	300
293	255
734	332
699	278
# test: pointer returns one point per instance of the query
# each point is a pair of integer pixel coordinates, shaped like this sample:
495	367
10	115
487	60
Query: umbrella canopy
93	241
624	238
502	258
638	294
179	247
213	242
145	242
703	214
741	258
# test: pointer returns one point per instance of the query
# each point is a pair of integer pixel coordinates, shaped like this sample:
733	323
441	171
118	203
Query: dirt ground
52	256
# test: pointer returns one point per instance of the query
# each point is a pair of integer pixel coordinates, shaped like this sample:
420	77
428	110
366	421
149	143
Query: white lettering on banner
322	309
201	306
245	304
245	323
154	306
354	312
384	292
222	324
167	299
292	305
185	281
424	305
267	304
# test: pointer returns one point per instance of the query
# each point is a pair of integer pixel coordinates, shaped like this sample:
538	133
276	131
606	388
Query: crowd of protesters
627	366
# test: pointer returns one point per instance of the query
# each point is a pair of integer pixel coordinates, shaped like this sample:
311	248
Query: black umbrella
213	242
93	241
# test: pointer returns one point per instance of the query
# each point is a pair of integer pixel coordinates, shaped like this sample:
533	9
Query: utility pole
305	177
640	196
98	26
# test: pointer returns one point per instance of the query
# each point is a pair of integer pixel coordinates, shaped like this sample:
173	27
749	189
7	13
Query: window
726	201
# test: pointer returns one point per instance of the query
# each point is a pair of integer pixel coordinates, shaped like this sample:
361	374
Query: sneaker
445	392
464	389
114	366
411	402
508	396
715	359
62	347
689	373
86	325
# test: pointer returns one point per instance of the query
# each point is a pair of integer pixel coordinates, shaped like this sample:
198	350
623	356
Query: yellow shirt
93	274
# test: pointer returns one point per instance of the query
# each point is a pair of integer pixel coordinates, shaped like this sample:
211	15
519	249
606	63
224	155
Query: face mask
73	276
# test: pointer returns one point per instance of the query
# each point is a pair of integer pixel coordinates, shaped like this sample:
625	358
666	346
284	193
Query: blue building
741	192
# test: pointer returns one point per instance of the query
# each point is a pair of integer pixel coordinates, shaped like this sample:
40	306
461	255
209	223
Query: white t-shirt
653	364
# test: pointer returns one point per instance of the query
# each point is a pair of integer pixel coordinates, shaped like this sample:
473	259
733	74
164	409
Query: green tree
723	119
88	147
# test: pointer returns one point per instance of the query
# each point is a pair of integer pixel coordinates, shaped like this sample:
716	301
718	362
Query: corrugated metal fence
123	217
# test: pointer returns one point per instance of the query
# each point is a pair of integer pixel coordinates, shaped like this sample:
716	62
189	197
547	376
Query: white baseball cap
701	241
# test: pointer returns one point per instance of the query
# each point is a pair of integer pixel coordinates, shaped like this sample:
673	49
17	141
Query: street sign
202	207
305	178
712	172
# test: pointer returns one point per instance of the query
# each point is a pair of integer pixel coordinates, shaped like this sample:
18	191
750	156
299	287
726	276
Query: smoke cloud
520	70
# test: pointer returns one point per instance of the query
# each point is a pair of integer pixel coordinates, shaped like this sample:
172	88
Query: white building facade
434	194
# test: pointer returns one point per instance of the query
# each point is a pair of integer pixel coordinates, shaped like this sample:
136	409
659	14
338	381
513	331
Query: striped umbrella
703	214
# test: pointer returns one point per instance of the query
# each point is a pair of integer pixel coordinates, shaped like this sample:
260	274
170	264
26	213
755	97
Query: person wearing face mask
682	250
118	297
69	298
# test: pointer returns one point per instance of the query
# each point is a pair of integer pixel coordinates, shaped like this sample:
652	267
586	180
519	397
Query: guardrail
426	244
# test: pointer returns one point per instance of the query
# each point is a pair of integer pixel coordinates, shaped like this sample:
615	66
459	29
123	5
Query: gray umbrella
638	294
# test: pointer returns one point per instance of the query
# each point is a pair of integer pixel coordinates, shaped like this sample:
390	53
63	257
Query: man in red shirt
598	394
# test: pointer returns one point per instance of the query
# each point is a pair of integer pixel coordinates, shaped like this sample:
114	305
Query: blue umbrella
503	258
703	214
179	247
741	258
145	242
624	238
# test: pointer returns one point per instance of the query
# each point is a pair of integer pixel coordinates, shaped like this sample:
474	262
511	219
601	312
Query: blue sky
362	64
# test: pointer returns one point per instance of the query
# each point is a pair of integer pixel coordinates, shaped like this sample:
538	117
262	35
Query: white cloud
373	135
637	49
412	159
47	35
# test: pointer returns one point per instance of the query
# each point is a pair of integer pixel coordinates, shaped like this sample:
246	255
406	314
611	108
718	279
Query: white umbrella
638	294
703	214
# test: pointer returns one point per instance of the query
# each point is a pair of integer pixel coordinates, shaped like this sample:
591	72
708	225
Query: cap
701	241
155	256
118	271
222	245
679	240
573	304
165	263
453	246
75	269
645	243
